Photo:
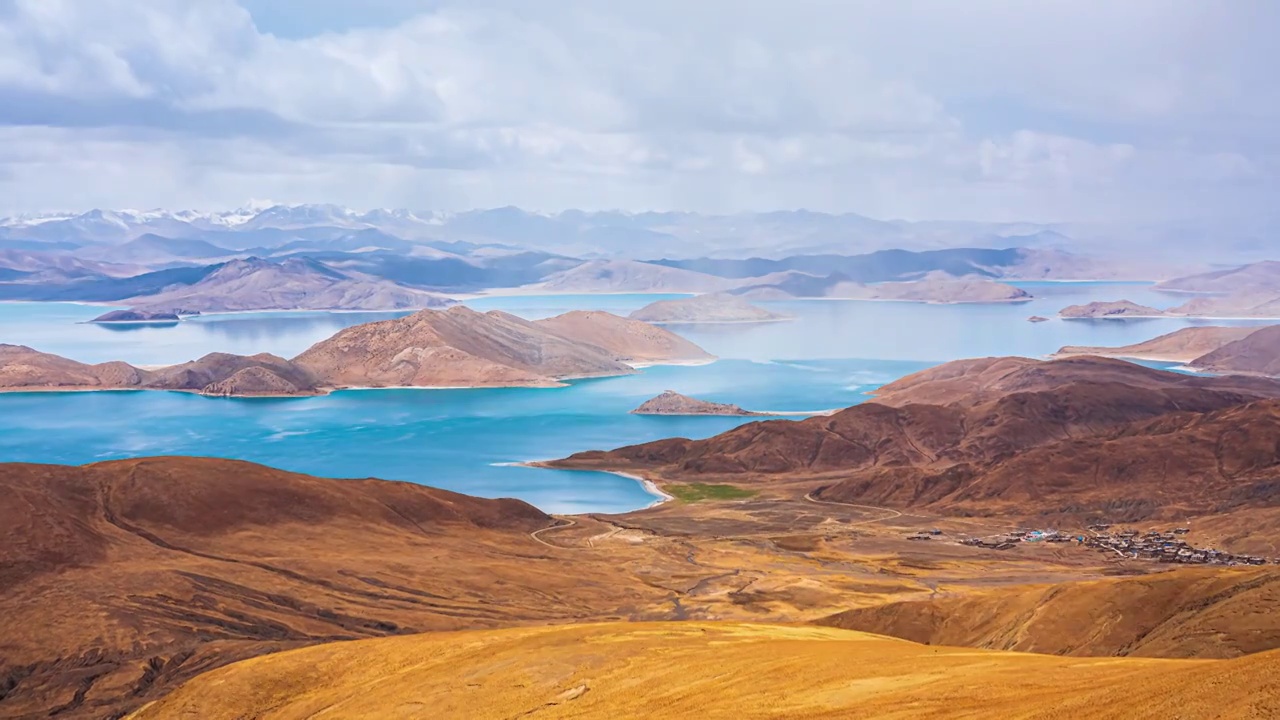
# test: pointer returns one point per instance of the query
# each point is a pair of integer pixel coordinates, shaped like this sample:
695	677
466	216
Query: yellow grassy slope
712	670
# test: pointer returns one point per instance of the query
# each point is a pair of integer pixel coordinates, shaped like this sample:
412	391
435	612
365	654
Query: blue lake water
830	356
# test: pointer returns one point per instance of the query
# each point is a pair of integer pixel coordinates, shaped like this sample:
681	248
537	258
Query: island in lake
458	347
673	403
711	308
144	316
1110	310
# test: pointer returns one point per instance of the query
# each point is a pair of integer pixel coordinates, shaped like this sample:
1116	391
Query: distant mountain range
642	235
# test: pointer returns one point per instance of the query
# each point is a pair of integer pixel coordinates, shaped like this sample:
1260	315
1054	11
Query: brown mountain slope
1201	612
1182	345
1257	353
119	579
631	341
1038	439
462	347
973	382
713	670
24	369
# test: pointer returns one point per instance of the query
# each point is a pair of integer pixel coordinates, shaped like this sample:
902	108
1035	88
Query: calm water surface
830	356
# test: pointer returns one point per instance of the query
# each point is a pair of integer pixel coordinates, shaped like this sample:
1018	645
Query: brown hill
119	579
1201	612
1257	353
1260	276
709	308
631	341
1182	345
713	670
462	347
1086	437
973	382
24	369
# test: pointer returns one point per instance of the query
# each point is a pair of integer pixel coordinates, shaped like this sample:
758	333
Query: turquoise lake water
829	357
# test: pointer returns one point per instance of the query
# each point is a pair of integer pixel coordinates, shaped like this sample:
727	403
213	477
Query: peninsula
458	347
1184	346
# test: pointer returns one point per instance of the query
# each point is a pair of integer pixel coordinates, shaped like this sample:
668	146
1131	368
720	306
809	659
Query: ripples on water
830	356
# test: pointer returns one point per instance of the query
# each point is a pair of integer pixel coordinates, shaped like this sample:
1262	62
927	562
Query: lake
829	357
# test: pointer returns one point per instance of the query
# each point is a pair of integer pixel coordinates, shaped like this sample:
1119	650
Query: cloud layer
918	109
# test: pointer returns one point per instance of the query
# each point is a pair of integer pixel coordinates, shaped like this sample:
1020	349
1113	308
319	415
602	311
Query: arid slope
680	670
1200	612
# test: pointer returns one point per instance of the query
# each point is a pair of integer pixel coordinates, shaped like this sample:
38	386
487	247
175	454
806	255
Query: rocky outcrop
673	403
713	308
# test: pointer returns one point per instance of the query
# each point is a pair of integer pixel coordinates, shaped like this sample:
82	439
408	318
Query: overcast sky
983	109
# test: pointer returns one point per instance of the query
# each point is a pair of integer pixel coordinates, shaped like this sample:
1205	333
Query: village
1167	546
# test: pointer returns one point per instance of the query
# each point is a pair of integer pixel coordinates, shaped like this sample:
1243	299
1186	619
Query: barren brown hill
1200	612
673	403
713	670
631	341
974	382
1182	345
1117	309
1257	353
1260	276
24	369
460	347
709	308
1078	438
121	578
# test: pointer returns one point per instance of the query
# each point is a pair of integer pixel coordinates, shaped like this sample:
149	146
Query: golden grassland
711	670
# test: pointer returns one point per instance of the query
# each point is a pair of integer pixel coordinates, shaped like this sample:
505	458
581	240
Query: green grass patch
697	492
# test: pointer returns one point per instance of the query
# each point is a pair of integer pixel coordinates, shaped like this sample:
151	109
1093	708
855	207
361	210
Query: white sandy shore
666	363
649	486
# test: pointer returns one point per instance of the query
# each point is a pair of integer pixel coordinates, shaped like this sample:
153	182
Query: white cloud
922	108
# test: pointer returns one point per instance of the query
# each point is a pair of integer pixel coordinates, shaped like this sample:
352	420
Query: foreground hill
676	670
1201	612
462	347
1183	345
1079	438
292	284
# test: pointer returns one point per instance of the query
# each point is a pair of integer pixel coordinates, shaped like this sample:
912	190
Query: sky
1056	110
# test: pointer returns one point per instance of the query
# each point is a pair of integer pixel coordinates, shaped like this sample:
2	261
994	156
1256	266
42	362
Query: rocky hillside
1078	438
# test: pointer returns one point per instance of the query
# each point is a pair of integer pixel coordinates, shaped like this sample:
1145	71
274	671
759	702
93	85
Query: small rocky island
712	308
143	316
673	403
1118	309
1037	319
